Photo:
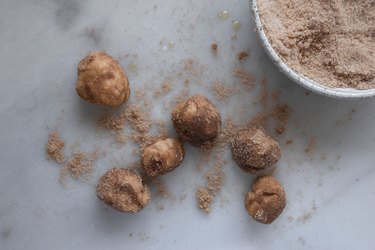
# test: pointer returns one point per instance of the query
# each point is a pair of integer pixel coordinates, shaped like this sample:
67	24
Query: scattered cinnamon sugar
289	142
242	55
214	47
120	137
139	93
215	179
227	132
263	96
310	148
182	96
161	188
115	123
275	95
80	166
192	67
220	91
259	120
246	78
165	89
138	119
162	129
281	113
55	147
204	199
280	130
112	122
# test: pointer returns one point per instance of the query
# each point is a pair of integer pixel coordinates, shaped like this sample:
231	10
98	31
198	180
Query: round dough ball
253	149
123	190
197	121
162	156
266	200
101	80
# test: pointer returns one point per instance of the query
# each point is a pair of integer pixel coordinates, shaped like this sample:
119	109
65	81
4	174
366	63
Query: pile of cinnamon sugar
331	42
55	147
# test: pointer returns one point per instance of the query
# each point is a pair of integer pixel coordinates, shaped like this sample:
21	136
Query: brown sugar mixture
55	147
331	42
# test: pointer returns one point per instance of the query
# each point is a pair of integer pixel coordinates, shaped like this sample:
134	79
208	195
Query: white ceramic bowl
298	78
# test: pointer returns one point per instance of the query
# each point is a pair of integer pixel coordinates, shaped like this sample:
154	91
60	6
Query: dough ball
123	190
266	200
162	156
253	149
197	121
101	80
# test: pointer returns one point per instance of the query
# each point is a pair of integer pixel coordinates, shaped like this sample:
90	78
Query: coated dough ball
123	190
162	156
266	200
197	121
101	80
253	149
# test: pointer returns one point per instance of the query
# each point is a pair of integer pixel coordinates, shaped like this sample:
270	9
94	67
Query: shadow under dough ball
266	200
197	121
162	157
123	190
253	149
102	80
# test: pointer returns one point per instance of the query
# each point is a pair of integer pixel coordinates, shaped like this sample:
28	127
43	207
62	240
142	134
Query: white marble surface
41	44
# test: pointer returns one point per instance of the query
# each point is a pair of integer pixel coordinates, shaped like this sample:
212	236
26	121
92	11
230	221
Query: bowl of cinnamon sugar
327	47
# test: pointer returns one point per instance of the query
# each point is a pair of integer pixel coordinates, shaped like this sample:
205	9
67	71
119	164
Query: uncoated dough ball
253	149
266	200
162	156
101	80
197	121
123	190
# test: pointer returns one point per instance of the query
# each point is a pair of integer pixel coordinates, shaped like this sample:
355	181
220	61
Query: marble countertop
330	191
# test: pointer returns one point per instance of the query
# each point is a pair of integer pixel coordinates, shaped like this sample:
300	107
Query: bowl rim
343	93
